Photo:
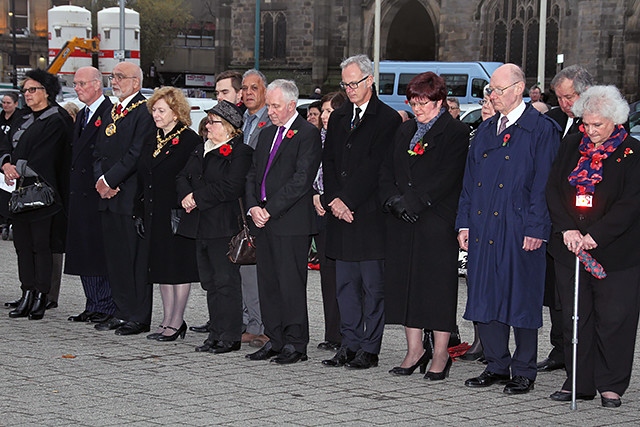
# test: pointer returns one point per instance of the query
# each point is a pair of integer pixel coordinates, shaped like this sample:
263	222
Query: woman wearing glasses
170	258
38	151
420	182
209	187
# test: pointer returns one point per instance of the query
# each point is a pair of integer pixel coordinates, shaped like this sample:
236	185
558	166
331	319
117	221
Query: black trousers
495	343
221	279
282	287
552	300
328	286
360	293
126	268
32	240
608	312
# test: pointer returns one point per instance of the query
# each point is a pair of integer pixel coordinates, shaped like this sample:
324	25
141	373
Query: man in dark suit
118	147
280	199
358	135
568	84
85	248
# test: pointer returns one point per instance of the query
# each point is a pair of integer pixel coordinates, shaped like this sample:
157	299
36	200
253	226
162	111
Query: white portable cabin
65	23
109	33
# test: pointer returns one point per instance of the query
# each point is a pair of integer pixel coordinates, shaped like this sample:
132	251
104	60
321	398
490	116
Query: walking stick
574	340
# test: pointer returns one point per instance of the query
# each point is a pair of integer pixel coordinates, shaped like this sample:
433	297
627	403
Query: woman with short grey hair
593	194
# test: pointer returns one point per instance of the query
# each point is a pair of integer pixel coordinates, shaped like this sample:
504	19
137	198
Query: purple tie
503	124
274	150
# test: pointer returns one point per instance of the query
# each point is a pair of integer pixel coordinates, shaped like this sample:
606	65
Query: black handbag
242	247
35	196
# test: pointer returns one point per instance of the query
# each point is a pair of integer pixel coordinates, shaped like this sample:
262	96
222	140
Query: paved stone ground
135	382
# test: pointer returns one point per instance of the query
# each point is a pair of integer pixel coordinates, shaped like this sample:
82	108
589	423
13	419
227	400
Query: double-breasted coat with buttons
421	263
85	248
502	201
171	258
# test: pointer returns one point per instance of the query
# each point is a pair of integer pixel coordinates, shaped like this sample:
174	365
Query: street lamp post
14	53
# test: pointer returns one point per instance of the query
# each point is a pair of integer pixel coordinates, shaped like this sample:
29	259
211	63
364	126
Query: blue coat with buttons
502	201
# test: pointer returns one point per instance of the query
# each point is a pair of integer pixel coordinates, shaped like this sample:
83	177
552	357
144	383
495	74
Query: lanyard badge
584	200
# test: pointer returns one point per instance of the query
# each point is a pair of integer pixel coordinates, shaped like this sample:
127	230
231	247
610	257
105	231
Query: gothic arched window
274	35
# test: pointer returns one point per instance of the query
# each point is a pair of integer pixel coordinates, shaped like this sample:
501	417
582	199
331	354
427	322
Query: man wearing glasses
358	136
85	255
123	131
503	222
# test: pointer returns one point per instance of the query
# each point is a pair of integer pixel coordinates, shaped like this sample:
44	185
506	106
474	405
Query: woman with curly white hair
593	195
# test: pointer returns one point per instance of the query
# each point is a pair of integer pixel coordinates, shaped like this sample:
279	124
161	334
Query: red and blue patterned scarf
588	172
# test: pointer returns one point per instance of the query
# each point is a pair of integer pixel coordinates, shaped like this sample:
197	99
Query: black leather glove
139	223
397	206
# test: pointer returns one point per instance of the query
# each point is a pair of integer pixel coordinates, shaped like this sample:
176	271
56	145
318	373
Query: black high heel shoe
155	335
422	363
181	332
438	376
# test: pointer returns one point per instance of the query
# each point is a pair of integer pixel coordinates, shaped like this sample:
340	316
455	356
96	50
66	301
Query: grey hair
454	100
254	72
581	78
288	87
605	101
362	61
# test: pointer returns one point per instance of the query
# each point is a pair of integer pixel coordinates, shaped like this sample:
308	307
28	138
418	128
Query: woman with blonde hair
168	257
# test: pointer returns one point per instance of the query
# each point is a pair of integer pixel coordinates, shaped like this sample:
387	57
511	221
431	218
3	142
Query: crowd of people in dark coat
140	198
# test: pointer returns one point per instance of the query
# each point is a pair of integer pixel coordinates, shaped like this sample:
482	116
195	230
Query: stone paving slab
131	381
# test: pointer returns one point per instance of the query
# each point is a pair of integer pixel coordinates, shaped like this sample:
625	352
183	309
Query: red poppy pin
98	122
628	151
291	133
506	139
225	150
418	149
261	125
175	141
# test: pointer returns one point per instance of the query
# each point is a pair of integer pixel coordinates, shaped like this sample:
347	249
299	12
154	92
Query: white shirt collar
127	100
514	115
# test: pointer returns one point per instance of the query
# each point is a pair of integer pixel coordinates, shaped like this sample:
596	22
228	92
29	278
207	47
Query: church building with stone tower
307	39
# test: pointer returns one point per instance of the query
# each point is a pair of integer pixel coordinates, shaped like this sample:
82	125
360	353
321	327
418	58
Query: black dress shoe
343	356
24	307
179	332
560	396
518	385
329	345
207	346
201	329
110	324
100	317
548	365
266	352
39	306
610	403
471	357
288	357
225	347
15	303
52	304
85	316
132	328
486	379
363	360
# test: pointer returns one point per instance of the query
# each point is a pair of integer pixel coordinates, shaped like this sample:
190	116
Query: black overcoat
170	258
351	165
85	248
217	181
421	262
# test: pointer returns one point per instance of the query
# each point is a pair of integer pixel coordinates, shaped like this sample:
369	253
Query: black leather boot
15	303
39	306
22	310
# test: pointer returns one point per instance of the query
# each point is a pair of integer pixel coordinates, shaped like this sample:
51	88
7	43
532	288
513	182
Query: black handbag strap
244	216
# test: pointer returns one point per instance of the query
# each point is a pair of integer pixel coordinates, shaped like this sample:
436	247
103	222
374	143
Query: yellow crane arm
85	45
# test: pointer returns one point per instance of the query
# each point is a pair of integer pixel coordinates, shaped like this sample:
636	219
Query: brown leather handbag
242	247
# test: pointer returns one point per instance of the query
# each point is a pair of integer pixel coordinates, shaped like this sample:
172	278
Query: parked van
465	80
